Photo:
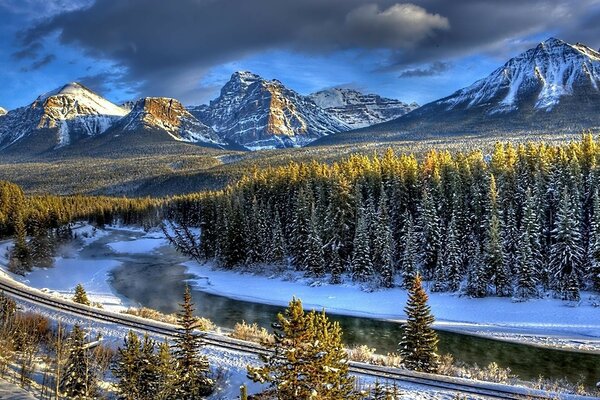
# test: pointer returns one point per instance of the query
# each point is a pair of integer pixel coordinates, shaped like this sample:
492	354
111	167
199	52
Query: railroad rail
389	374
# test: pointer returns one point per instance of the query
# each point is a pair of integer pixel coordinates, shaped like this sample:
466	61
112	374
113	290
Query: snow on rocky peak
2	111
70	112
258	113
169	115
546	73
359	110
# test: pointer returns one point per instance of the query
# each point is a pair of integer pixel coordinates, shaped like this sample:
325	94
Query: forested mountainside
522	222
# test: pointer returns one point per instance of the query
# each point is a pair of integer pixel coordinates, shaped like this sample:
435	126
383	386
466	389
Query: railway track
458	385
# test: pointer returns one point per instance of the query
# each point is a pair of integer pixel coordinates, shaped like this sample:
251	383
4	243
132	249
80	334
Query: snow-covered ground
10	391
547	322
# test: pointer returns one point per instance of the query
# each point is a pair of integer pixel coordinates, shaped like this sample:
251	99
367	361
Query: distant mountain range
553	87
250	112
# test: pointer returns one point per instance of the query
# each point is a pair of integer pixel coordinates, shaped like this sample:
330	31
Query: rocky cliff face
257	113
359	110
169	115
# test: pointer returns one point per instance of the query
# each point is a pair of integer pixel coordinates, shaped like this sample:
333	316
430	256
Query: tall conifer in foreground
308	360
418	346
193	381
78	379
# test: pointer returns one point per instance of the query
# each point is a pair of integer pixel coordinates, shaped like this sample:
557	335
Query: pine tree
20	257
409	255
452	258
494	250
149	372
430	238
78	378
308	361
566	251
276	252
383	244
594	247
80	295
528	251
167	374
127	367
193	381
300	230
477	278
362	265
313	254
418	346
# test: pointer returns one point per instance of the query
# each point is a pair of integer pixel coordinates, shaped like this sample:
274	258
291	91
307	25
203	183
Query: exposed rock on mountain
257	113
359	110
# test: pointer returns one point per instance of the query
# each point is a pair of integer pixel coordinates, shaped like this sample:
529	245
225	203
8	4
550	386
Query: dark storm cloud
155	39
168	45
42	62
435	68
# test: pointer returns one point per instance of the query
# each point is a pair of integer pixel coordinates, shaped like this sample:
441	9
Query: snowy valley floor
543	322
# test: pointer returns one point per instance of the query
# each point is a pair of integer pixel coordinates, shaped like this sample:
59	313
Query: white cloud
401	25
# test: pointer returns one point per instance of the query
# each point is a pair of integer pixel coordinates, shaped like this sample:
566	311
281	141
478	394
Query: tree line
39	223
522	221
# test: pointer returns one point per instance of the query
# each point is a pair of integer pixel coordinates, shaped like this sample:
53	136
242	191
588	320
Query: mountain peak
2	111
169	115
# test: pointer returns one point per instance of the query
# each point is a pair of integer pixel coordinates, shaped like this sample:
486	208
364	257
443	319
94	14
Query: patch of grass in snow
203	324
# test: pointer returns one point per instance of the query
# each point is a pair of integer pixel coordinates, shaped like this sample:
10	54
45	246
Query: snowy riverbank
542	322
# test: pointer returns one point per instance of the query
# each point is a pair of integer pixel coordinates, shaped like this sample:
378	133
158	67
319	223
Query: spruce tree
362	265
383	245
494	248
149	371
408	261
313	254
565	255
594	247
126	369
80	295
167	374
528	257
78	379
193	381
430	238
276	252
418	346
452	258
300	229
308	360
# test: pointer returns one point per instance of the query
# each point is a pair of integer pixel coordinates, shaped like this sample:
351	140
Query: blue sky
414	51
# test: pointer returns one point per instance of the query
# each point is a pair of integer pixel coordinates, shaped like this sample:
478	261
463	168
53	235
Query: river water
157	280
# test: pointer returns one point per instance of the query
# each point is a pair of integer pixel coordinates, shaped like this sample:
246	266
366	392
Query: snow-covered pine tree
313	253
452	257
193	381
126	368
80	295
430	235
565	256
493	249
78	378
276	249
362	265
383	244
528	257
594	247
300	229
418	346
477	276
408	261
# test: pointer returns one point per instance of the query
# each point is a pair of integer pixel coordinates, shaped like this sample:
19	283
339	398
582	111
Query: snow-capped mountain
169	115
359	110
257	113
553	87
2	111
541	76
59	118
